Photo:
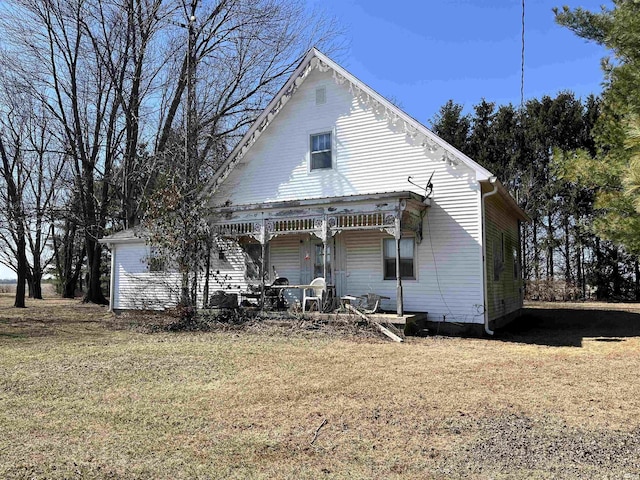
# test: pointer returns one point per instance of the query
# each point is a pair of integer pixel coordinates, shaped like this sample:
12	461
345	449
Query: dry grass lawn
556	395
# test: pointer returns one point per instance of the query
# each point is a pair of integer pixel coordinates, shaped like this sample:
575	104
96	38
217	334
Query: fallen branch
315	436
382	329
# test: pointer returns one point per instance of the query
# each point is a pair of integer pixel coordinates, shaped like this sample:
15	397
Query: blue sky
422	53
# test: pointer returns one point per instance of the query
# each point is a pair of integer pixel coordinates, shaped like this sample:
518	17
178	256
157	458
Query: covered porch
307	239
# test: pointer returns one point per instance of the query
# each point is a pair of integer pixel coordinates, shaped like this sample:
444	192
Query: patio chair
371	302
317	289
274	297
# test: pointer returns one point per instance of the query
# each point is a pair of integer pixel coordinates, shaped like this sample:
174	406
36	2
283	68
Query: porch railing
349	221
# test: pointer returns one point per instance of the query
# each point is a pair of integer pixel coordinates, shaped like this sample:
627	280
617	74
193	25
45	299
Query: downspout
492	181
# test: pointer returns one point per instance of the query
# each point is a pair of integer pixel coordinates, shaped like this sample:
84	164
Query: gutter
494	182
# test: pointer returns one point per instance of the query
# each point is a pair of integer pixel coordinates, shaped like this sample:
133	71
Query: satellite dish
428	189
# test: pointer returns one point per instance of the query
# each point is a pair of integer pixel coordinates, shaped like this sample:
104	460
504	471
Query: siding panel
371	156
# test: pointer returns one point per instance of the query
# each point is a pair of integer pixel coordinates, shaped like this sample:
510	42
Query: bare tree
81	95
13	175
114	75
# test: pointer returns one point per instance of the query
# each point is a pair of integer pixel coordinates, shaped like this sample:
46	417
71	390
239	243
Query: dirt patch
520	443
247	322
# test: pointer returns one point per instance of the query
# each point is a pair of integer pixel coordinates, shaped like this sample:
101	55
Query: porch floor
393	318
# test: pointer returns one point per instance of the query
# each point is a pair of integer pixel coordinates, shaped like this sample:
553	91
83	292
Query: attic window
321	95
321	151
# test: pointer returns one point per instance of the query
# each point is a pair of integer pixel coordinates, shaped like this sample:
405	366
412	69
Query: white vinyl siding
372	155
443	288
136	287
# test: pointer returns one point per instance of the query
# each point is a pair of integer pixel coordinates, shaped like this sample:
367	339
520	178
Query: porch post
399	302
324	248
263	243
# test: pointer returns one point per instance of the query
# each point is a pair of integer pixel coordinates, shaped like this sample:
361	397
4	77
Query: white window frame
311	134
415	259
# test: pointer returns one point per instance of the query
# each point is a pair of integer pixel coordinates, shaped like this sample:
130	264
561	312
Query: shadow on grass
566	327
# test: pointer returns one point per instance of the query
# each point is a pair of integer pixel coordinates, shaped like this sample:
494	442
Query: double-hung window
407	258
321	151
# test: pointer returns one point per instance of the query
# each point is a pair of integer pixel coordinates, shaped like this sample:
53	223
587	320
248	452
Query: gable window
320	151
407	258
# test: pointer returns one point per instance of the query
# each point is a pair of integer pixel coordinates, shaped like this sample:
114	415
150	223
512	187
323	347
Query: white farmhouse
332	181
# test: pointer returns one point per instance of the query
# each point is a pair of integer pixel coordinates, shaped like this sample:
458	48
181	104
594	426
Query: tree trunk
36	285
17	218
578	261
22	269
636	282
536	251
550	242
207	272
567	252
94	289
601	288
522	230
617	277
34	279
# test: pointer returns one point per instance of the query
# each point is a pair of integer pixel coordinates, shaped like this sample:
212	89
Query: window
155	261
320	151
321	95
407	258
516	264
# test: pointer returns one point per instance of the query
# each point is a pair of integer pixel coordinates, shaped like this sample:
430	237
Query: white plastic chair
317	289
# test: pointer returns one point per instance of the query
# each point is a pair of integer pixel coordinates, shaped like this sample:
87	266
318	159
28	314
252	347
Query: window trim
414	278
325	131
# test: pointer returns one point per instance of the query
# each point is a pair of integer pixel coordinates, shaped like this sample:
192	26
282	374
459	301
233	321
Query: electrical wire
435	267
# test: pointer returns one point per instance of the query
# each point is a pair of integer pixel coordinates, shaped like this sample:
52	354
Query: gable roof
136	234
316	59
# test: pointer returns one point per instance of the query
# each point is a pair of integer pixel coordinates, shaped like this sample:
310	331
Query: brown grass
556	395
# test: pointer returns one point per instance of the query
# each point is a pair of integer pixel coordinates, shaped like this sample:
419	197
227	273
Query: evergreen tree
611	165
450	125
